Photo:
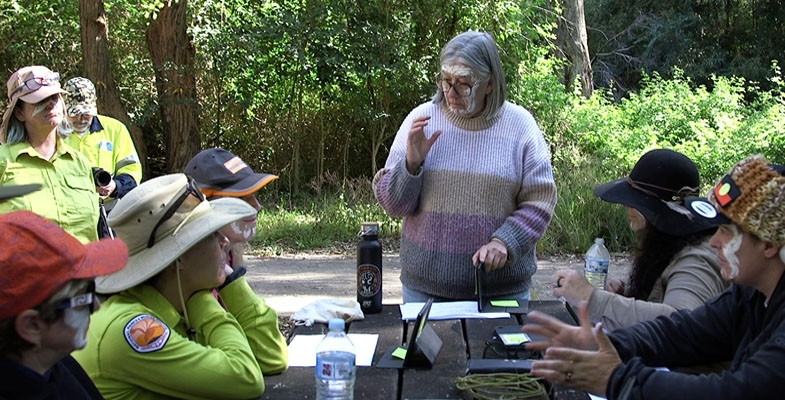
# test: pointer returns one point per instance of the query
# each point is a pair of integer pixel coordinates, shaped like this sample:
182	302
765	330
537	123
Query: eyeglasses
191	189
86	299
36	82
462	89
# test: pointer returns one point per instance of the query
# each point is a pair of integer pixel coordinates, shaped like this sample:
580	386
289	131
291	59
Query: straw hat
657	186
150	205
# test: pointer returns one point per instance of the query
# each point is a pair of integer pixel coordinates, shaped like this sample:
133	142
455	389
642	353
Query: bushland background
314	91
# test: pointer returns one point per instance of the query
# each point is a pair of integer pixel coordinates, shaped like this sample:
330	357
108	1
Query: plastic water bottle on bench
335	364
598	259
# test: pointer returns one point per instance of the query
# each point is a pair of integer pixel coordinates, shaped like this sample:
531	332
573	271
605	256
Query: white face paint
243	229
457	69
462	71
80	123
729	252
45	105
79	319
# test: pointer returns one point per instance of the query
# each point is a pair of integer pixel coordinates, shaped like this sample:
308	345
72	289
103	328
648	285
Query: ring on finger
568	376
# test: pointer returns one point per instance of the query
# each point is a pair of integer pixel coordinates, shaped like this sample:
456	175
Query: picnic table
463	339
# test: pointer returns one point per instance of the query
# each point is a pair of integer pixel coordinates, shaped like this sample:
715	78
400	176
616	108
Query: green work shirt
68	197
138	347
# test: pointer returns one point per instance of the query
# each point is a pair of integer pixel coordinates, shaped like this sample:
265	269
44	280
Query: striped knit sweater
481	179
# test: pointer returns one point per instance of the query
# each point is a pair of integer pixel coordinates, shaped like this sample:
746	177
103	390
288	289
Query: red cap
37	258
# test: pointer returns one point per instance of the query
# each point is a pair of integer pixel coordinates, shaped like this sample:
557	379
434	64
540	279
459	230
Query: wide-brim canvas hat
44	82
752	196
221	173
137	214
657	186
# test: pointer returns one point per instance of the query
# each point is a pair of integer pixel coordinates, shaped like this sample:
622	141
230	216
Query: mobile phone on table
511	335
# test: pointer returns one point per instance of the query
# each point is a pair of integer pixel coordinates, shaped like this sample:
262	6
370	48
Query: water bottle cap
599	240
336	324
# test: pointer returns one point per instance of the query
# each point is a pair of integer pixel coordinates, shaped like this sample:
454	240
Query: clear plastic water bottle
335	364
598	259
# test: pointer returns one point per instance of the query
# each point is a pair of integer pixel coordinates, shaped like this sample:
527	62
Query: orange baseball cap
37	258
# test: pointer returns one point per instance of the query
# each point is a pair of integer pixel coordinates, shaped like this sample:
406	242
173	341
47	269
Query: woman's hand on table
585	370
558	333
573	286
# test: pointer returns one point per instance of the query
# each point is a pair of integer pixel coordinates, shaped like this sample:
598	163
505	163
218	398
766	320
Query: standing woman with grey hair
33	153
471	175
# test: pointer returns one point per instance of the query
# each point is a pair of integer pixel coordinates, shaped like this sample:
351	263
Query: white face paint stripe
457	69
79	319
247	231
729	252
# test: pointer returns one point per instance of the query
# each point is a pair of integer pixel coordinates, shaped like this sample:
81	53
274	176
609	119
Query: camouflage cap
80	97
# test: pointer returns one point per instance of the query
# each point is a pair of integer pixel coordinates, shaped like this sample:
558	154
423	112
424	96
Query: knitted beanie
752	195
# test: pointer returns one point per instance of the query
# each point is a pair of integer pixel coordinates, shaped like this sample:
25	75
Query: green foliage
329	220
314	90
701	37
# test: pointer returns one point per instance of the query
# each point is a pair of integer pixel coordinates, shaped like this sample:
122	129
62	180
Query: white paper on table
302	349
449	310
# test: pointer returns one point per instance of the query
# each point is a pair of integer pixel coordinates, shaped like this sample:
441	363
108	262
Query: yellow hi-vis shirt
108	145
68	197
138	348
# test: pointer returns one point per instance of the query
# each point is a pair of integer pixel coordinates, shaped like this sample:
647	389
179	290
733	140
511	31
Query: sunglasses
86	299
191	189
36	82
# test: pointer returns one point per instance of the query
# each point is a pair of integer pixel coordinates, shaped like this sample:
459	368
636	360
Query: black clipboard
484	304
479	284
423	347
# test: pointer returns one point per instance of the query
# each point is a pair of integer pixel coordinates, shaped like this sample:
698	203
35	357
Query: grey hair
478	52
16	131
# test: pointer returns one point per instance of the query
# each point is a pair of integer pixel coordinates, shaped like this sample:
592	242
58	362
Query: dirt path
290	282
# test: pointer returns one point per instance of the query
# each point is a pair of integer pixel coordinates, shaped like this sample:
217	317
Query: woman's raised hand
418	145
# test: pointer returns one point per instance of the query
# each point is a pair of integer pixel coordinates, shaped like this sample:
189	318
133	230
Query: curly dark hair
654	253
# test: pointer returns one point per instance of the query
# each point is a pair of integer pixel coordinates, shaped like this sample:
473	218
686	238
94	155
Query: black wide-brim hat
657	186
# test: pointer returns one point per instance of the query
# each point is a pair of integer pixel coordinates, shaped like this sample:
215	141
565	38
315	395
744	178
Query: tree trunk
97	67
173	54
571	34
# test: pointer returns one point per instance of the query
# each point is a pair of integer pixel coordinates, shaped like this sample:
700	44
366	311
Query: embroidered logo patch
146	333
235	165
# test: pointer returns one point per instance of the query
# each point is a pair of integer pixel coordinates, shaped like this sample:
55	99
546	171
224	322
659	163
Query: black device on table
486	305
506	352
423	347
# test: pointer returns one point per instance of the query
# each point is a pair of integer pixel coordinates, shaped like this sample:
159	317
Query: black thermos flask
369	269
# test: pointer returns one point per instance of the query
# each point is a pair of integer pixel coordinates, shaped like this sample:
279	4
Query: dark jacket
736	325
66	380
